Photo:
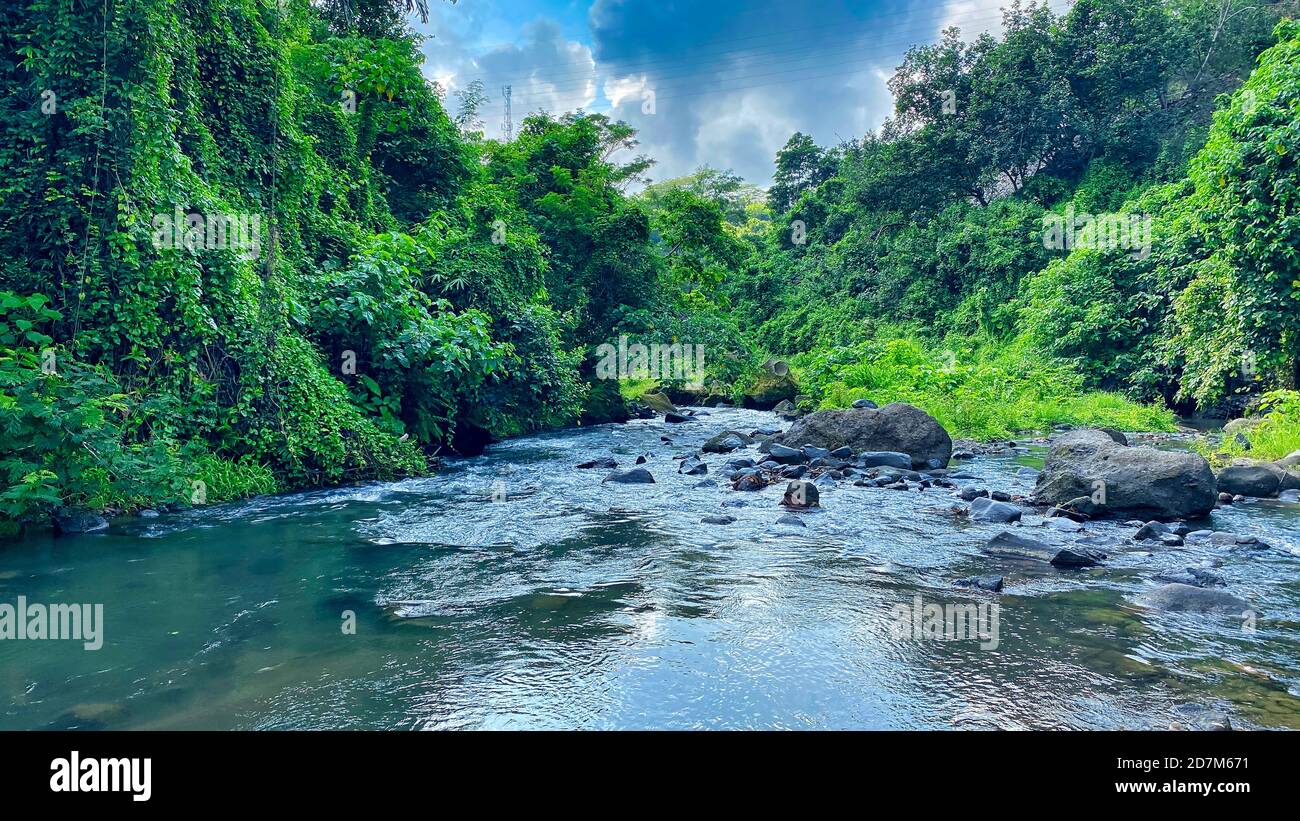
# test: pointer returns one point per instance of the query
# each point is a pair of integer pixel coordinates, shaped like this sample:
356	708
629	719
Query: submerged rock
1152	530
1192	576
814	453
885	458
1201	719
785	455
993	584
630	477
1010	546
72	520
692	467
1065	525
1185	598
718	519
603	462
1141	480
791	519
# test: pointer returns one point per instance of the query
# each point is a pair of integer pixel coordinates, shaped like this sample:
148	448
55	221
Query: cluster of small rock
1088	474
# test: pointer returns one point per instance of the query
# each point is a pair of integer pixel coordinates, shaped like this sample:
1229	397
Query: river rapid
514	590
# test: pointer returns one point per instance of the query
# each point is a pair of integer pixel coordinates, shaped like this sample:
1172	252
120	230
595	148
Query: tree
470	99
800	166
1248	190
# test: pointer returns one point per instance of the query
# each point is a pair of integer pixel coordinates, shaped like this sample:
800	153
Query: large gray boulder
898	427
1252	477
1126	481
1257	479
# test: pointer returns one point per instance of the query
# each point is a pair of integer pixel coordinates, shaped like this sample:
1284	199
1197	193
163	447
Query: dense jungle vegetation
419	288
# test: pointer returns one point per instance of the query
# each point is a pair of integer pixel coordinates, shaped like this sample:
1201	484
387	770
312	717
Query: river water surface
572	604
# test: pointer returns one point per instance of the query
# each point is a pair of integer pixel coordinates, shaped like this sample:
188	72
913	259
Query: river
561	602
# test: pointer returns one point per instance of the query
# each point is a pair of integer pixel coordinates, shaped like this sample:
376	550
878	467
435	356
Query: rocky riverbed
712	572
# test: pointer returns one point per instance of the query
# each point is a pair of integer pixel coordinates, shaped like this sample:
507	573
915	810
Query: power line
866	25
788	69
578	78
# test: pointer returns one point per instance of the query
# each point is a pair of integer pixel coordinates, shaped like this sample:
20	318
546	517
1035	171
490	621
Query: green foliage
936	224
412	278
66	431
415	358
1248	190
541	387
224	480
736	198
1082	309
1278	433
378	250
973	392
801	166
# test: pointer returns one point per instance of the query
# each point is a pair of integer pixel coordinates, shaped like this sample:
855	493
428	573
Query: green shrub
1277	435
970	390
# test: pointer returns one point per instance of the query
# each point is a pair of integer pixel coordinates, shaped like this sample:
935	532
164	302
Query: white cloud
619	89
732	79
973	17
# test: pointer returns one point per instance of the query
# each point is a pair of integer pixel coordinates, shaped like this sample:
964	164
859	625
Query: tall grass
1277	435
225	480
975	392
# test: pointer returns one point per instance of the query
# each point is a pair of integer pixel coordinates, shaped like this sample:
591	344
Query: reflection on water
576	604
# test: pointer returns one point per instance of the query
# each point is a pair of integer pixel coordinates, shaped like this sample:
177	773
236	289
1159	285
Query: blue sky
722	82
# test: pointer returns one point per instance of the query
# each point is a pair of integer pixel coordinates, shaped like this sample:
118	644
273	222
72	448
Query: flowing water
562	602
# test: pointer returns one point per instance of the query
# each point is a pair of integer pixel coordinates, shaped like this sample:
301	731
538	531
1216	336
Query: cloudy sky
716	82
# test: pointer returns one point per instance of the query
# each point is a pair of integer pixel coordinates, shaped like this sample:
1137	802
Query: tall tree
800	166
